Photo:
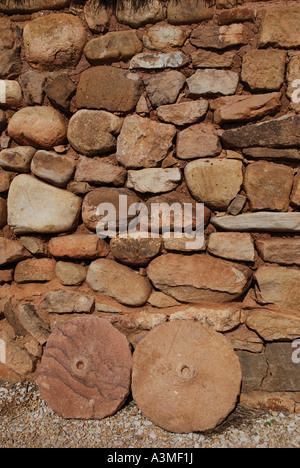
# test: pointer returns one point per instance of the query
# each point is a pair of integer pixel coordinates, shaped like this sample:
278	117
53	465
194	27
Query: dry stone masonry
184	101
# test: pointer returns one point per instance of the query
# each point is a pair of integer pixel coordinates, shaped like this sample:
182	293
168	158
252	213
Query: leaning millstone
197	369
113	47
43	38
17	159
34	206
213	279
11	251
33	324
157	61
136	16
275	285
10	93
212	82
215	182
91	132
115	280
31	6
85	371
154	180
108	88
143	142
183	113
263	221
67	302
52	168
39	126
282	132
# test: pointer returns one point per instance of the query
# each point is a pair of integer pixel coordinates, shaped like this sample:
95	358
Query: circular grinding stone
186	377
85	371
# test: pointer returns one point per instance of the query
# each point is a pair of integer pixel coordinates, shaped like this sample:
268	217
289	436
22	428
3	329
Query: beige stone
96	171
279	27
159	60
215	182
189	11
154	180
183	113
213	279
161	300
67	302
219	37
263	221
279	286
11	251
113	47
245	340
17	159
274	324
12	94
198	141
70	274
232	246
283	251
264	70
127	13
210	82
52	168
164	37
164	88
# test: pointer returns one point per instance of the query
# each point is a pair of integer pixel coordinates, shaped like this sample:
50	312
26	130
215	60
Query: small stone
164	37
281	132
35	270
157	391
161	300
3	213
189	11
17	159
135	251
237	205
158	60
32	84
52	168
135	17
109	88
143	142
4	180
142	106
212	82
11	251
237	14
91	132
78	246
268	186
34	245
213	279
97	16
264	70
70	274
219	37
215	182
39	126
18	359
106	195
60	91
6	276
238	108
295	198
67	302
263	221
198	141
183	113
80	188
279	27
43	38
97	172
209	59
33	324
113	47
45	209
271	153
164	88
232	246
154	180
183	243
275	285
114	280
274	324
11	93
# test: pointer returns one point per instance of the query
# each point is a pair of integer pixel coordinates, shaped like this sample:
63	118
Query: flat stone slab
85	370
263	221
186	377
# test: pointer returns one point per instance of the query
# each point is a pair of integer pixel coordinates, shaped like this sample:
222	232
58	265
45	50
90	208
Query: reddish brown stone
81	246
35	270
186	377
86	369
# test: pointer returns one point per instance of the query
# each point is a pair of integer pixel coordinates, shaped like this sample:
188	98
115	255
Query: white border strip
2	352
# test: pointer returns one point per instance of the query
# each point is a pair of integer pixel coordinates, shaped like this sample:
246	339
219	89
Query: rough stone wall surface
175	102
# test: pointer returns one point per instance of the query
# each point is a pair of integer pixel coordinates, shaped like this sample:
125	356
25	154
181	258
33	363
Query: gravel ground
26	422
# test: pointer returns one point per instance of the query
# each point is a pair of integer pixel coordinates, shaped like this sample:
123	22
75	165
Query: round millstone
186	377
85	371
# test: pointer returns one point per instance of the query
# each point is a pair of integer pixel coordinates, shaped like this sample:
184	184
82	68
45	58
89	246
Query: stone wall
174	102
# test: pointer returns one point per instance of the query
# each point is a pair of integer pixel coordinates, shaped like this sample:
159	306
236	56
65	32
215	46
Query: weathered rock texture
176	102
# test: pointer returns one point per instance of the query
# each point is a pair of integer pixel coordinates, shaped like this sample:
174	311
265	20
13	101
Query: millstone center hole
80	365
185	371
